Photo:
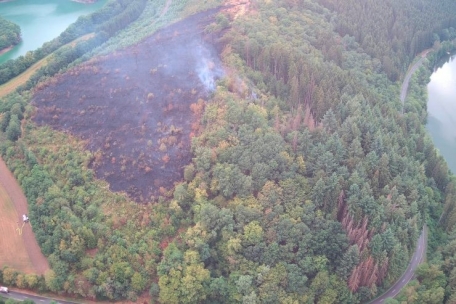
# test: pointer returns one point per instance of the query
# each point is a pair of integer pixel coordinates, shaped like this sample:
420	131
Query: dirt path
14	191
165	9
408	76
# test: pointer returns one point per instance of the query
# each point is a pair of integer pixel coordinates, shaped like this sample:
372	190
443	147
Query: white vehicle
25	218
3	289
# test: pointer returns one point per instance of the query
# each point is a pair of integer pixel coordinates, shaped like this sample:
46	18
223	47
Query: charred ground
138	108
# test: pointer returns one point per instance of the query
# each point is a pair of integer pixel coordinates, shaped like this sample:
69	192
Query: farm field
18	247
12	247
14	83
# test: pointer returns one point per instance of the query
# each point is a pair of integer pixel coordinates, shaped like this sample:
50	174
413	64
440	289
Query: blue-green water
41	20
442	111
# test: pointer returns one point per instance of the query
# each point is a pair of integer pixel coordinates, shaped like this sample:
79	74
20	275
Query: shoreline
83	1
6	50
79	1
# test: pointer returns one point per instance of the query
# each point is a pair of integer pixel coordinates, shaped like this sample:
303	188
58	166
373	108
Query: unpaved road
408	76
14	191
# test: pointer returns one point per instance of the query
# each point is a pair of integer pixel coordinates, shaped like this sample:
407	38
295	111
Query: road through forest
19	296
420	252
417	258
408	76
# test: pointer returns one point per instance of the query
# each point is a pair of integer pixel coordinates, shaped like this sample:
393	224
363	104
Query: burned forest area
258	152
137	109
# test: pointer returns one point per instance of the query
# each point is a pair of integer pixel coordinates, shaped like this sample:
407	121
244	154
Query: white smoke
208	68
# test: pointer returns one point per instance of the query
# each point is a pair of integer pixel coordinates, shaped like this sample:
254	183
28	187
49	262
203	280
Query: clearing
18	246
21	79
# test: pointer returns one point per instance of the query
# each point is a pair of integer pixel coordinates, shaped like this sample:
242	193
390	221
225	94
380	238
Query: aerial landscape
228	151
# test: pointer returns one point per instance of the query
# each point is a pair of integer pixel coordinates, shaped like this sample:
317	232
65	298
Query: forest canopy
10	34
310	181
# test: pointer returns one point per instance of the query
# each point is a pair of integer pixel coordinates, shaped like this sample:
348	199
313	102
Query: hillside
265	142
10	34
159	82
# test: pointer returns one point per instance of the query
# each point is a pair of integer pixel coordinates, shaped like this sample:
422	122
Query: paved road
420	252
37	299
417	258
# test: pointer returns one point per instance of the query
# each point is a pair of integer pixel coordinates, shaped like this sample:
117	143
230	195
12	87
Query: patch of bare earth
237	8
18	246
136	108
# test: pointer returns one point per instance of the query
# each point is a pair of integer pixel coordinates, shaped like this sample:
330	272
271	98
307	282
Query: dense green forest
11	301
307	185
10	34
435	279
394	32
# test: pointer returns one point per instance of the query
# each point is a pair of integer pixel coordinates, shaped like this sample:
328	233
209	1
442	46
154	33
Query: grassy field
12	246
17	81
21	79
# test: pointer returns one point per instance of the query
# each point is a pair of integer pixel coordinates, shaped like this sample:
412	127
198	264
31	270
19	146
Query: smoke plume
208	67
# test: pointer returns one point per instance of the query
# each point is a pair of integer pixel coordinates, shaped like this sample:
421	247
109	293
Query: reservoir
441	108
41	20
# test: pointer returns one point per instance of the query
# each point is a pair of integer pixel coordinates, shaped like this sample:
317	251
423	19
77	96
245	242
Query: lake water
41	20
442	111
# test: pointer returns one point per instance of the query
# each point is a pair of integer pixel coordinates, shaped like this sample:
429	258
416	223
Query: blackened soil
133	107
